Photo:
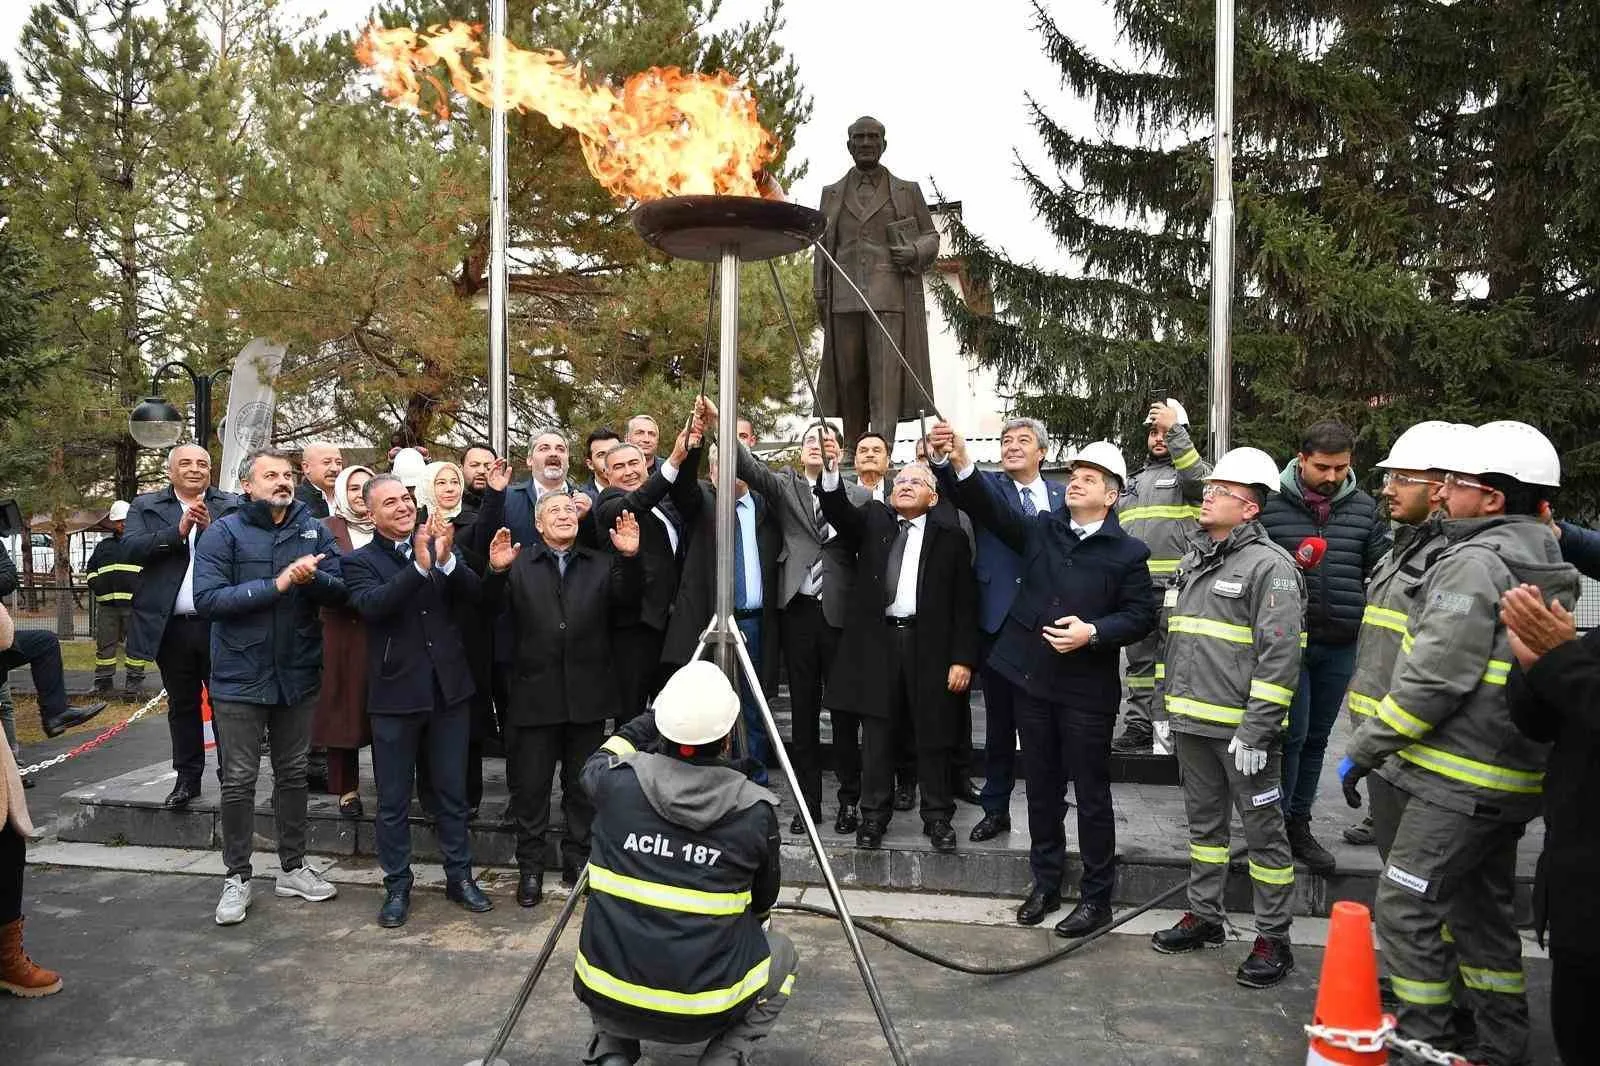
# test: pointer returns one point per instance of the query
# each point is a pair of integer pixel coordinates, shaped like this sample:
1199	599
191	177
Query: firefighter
1232	619
683	869
1465	782
112	581
1162	508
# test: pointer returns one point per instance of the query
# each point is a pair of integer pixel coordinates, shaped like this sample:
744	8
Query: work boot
1270	961
133	692
1190	934
102	686
1135	740
1360	834
56	725
1304	846
18	974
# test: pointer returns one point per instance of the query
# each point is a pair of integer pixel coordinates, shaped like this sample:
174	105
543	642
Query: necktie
561	563
404	548
897	556
1029	508
741	594
815	577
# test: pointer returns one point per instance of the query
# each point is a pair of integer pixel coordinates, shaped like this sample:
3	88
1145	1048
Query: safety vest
1162	505
111	578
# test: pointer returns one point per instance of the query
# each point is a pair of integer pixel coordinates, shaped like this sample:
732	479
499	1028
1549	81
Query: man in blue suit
1017	489
407	584
1083	593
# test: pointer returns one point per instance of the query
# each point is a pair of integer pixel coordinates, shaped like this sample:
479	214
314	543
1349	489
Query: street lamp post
156	423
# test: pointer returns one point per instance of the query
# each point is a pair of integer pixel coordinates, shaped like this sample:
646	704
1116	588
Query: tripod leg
713	634
890	1034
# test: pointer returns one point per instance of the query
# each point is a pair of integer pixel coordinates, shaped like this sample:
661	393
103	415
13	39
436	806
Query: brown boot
18	974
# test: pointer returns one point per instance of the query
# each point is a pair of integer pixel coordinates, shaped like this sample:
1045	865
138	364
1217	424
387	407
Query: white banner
248	424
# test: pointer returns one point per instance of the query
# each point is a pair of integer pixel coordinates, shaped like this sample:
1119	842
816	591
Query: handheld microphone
1308	556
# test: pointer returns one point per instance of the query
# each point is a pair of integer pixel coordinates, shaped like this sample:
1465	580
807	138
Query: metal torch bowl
702	228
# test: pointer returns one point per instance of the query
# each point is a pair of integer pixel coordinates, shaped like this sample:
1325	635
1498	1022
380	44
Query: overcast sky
947	79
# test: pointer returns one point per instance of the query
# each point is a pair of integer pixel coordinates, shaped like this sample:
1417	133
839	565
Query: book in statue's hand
903	233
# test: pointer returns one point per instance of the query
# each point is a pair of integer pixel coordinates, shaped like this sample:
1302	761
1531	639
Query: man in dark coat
319	471
910	637
408	586
1319	498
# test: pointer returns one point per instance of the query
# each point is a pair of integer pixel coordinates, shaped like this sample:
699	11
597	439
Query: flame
664	133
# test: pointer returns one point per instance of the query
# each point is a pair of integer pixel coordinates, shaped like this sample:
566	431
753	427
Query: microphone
1308	556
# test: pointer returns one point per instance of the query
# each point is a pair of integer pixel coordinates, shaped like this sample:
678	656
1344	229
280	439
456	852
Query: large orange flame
665	133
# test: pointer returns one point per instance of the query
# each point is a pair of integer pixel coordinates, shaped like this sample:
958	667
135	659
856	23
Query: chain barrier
90	745
1385	1037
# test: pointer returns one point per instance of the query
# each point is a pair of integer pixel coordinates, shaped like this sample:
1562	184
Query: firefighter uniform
682	870
112	581
1232	660
1464	783
1161	507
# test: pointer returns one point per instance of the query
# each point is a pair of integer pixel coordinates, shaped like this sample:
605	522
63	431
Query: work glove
1162	736
1350	775
1249	761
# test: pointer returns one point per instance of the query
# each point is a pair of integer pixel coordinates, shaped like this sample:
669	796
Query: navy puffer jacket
1357	536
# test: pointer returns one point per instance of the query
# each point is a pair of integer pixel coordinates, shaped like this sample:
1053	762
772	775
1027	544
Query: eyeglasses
1459	482
903	479
1213	490
1394	477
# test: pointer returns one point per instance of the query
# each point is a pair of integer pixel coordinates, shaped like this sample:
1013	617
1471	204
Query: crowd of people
437	612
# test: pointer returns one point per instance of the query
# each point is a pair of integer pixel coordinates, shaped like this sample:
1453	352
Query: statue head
866	142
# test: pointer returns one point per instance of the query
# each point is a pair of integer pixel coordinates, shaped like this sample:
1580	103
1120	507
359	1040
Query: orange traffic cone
1347	994
205	718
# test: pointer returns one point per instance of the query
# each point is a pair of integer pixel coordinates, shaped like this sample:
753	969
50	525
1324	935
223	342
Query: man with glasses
1232	621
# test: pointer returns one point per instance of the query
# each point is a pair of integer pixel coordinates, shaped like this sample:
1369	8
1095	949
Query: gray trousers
1141	682
1212	789
730	1046
239	728
111	621
1447	867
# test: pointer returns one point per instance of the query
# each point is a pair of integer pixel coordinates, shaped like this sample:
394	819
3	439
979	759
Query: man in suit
319	470
1021	491
758	539
563	599
640	633
547	473
1083	594
644	434
910	639
406	584
872	463
599	441
880	231
162	530
812	591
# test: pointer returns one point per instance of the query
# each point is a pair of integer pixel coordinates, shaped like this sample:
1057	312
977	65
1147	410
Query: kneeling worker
683	868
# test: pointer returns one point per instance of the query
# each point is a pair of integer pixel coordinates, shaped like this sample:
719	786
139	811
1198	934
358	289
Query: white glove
1162	737
1247	760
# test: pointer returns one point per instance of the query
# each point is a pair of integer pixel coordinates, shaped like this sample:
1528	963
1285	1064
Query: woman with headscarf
341	723
441	489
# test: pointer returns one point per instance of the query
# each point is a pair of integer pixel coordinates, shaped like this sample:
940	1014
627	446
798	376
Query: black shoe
351	807
1133	742
530	888
396	908
966	792
1085	918
942	834
1360	834
869	836
181	795
905	797
54	727
569	872
1304	847
848	819
1036	906
989	827
102	687
1270	961
1190	934
28	782
134	694
467	893
797	824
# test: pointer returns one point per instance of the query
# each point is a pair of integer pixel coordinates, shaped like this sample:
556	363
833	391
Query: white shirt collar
1087	530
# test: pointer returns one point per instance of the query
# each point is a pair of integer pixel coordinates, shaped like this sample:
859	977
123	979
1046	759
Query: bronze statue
880	231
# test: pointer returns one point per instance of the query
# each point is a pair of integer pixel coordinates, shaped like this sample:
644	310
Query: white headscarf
425	495
361	529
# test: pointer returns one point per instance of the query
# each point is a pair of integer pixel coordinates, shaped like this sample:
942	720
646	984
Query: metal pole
499	394
727	440
1222	237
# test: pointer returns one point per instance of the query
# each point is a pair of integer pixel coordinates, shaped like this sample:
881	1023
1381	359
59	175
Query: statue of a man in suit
880	231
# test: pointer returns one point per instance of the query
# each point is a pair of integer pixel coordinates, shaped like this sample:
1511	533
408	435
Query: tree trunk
61	542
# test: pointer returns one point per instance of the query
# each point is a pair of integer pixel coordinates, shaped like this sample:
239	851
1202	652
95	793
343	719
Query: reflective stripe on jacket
1444	716
1231	622
111	577
1389	597
1162	504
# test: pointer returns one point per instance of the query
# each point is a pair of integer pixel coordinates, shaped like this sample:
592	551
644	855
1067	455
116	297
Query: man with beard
547	470
476	462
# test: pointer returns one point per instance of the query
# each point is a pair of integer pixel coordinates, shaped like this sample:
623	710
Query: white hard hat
1517	450
1106	456
119	511
696	705
1247	466
1177	409
1424	446
409	466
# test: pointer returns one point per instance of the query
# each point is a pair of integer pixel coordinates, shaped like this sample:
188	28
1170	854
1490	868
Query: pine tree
1418	225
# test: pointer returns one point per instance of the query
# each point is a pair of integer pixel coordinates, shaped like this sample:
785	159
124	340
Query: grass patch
77	654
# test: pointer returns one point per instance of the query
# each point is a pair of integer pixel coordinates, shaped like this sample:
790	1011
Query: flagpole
499	392
1222	237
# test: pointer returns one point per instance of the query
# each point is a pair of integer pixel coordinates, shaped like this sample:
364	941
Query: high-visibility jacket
1444	717
1162	504
1383	623
1232	638
683	867
112	578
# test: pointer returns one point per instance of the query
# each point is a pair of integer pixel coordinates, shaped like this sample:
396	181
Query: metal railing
66	610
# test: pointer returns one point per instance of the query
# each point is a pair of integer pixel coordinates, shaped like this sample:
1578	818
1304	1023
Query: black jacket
312	497
1558	701
112	577
659	560
413	639
8	569
1104	580
1358	537
561	665
152	541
